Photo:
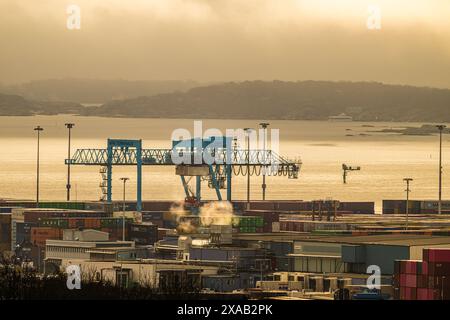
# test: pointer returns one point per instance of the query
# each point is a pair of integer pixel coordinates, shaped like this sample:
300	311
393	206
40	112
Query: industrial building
268	249
88	245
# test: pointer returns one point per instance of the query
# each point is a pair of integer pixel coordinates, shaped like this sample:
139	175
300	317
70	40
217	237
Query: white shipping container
434	205
275	227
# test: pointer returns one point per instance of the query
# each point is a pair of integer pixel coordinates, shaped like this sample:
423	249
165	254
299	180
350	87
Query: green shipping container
62	205
259	222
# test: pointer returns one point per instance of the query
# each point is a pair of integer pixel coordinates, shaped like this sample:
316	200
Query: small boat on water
341	117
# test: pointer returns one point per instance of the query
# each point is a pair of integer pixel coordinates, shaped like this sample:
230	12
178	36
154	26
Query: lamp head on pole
264	125
441	127
38	128
69	125
124	179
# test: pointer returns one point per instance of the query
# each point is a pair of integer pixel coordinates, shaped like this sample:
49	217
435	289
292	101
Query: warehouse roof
387	239
390	239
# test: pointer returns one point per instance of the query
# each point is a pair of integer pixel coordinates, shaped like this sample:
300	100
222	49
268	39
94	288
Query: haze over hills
14	105
93	90
307	100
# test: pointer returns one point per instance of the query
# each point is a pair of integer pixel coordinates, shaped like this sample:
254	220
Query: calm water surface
323	146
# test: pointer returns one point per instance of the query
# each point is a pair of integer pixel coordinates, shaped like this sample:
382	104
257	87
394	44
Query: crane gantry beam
163	157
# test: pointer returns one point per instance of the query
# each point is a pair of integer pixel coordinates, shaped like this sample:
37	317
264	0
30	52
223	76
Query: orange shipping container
40	234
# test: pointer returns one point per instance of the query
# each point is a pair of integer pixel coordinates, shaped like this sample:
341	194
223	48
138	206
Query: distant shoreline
215	118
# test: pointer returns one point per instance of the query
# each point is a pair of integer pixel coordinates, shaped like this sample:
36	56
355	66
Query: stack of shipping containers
40	234
144	234
424	280
310	226
23	220
240	224
303	206
113	226
248	224
5	230
163	219
415	207
269	218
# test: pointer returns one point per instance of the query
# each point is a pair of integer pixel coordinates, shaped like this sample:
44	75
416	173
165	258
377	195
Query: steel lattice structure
223	162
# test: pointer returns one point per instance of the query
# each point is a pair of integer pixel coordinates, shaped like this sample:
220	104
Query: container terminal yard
322	249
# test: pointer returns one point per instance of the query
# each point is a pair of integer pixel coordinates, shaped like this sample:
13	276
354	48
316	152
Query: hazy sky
216	40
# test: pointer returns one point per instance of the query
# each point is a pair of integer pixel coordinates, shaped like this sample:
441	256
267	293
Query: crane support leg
109	173
185	186
109	184
198	190
139	176
229	175
214	181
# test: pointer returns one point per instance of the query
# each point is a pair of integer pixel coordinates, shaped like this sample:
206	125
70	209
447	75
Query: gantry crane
200	158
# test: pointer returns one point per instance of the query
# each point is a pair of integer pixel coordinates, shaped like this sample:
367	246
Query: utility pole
248	130
123	207
38	129
264	126
440	128
408	190
68	126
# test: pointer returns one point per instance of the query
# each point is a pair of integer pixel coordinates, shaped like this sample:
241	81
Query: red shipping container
422	294
39	235
411	267
403	293
402	280
425	267
439	255
411	281
403	266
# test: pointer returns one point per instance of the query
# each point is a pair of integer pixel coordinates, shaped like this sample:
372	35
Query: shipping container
162	233
144	234
39	235
159	223
432	206
62	205
17	204
152	215
100	206
424	280
20	233
33	215
7	209
357	207
5	231
438	255
157	205
422	294
399	207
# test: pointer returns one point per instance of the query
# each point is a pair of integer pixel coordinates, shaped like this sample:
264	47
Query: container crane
224	162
